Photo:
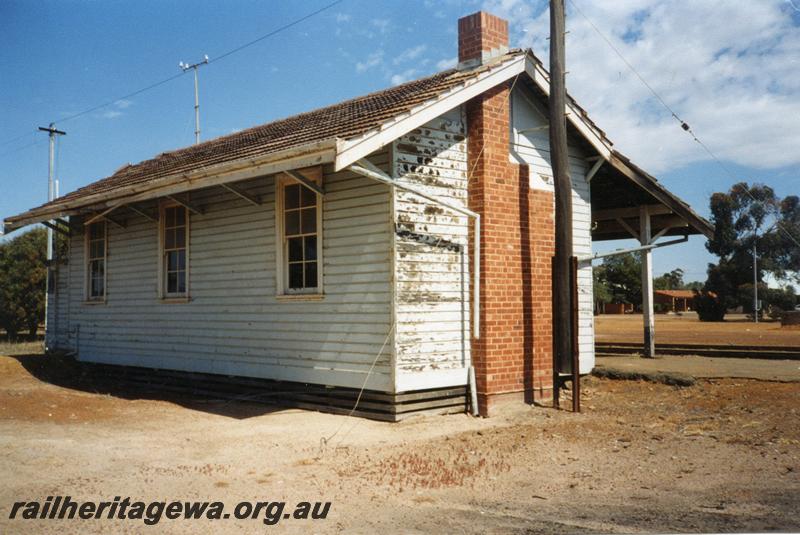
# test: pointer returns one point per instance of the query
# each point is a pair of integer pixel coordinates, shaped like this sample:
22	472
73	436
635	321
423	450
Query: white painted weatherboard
234	324
530	145
432	281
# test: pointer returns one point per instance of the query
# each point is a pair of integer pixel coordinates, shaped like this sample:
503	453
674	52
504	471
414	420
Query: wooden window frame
88	298
163	295
283	290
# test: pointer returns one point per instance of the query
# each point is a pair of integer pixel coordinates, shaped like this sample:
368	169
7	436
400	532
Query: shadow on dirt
238	398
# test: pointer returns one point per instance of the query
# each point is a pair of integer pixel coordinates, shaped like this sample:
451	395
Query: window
96	261
174	239
300	235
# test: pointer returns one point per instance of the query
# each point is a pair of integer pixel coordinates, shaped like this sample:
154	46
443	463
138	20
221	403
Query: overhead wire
17	138
182	73
23	147
684	125
276	31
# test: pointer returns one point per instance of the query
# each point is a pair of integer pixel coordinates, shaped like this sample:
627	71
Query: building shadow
219	395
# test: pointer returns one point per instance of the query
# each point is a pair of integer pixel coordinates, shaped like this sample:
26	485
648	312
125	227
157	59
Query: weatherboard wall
530	145
234	323
431	256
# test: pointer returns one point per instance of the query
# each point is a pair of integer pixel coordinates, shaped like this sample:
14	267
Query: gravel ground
723	455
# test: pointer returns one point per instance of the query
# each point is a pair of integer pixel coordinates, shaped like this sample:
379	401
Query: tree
747	219
621	275
23	279
670	281
602	293
693	285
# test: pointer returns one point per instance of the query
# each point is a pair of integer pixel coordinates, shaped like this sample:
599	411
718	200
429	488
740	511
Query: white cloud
342	17
123	103
730	70
447	63
410	54
112	114
403	77
373	60
382	25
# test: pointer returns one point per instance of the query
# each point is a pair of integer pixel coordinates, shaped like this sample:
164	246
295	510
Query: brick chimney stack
481	36
513	356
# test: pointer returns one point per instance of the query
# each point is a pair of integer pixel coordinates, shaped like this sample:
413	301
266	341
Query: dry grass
687	329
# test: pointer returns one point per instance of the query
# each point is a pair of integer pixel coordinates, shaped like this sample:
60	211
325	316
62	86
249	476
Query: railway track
703	350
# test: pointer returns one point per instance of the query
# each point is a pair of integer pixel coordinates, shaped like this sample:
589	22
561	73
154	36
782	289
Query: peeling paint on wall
431	255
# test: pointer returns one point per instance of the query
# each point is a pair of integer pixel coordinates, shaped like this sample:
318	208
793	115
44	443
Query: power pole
52	184
52	193
564	347
185	67
755	283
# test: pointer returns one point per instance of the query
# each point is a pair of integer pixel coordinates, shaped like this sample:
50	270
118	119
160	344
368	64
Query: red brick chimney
481	36
513	356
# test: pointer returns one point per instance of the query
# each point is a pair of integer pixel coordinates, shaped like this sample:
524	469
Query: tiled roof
683	294
345	120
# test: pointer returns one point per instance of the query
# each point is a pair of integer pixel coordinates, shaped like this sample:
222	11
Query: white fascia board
297	157
357	148
539	77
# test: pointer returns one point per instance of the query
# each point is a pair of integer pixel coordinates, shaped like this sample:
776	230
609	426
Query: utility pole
564	347
52	184
755	283
52	193
185	67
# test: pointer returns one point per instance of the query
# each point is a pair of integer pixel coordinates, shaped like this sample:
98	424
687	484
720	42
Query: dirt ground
723	455
687	329
706	367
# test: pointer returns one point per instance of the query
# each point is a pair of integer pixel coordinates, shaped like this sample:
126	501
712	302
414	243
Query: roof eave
597	139
356	148
316	153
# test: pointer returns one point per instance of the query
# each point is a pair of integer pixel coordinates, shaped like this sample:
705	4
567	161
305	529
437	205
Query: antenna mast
185	67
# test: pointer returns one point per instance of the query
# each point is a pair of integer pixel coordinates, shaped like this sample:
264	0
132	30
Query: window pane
172	261
97	287
180	237
169	217
95	231
309	220
291	196
172	282
182	259
296	275
100	267
309	196
180	215
181	281
292	223
295	246
311	274
169	238
311	248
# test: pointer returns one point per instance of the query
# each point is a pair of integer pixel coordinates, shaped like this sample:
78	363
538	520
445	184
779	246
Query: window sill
174	300
94	302
300	297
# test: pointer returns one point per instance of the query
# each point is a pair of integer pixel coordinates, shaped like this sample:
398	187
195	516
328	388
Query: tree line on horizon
745	218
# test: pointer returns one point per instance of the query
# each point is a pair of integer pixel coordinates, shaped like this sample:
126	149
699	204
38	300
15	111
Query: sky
730	69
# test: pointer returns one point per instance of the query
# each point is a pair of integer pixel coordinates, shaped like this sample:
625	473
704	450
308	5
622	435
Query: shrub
709	307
